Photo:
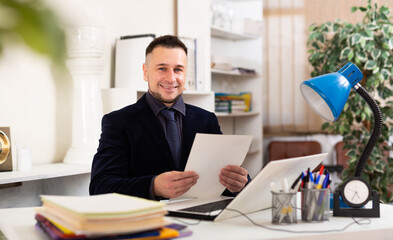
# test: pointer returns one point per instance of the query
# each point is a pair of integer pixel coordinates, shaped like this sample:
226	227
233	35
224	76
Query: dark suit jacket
133	148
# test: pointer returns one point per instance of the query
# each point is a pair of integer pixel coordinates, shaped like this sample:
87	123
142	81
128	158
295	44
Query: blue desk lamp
327	95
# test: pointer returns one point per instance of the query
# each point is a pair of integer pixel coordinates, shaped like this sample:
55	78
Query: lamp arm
376	131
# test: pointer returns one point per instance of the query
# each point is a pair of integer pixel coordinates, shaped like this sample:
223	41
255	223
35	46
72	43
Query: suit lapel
189	131
154	129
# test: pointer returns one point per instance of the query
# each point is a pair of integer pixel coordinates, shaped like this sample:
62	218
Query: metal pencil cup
315	204
283	208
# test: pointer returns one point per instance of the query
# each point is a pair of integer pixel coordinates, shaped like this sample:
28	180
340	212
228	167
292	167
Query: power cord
363	221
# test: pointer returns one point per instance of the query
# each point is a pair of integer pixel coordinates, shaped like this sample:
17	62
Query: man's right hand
173	184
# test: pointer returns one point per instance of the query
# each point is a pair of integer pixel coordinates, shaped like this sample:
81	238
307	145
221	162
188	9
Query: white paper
209	154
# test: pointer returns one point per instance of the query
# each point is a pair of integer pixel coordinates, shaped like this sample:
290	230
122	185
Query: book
237	102
56	233
102	214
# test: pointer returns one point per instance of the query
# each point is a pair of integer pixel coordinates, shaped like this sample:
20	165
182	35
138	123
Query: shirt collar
157	105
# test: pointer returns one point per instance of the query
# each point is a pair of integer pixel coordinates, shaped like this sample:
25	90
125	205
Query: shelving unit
223	33
44	171
237	114
232	73
245	50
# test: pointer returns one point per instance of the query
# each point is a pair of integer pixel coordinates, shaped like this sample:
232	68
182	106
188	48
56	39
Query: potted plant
369	45
35	25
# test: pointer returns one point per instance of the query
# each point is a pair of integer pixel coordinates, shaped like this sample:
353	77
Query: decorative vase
85	63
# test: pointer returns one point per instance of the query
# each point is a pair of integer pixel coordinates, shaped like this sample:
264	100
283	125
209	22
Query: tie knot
169	115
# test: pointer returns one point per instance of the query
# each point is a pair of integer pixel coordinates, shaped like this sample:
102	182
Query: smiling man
143	151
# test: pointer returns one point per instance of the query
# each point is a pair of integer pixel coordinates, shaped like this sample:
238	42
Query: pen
319	175
284	185
325	182
322	180
287	207
298	179
311	181
307	180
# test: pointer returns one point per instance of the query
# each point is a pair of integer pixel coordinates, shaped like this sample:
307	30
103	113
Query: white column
85	64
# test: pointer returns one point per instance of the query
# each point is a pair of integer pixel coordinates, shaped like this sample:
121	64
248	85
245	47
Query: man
134	156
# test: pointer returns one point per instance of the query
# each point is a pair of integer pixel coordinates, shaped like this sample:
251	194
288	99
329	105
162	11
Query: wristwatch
356	192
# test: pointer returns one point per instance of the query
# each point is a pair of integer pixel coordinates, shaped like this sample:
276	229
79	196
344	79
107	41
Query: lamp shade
327	94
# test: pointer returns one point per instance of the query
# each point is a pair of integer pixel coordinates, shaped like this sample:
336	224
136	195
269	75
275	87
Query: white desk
18	223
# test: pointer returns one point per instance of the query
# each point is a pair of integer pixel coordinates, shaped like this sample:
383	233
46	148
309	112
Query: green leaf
39	28
379	168
385	55
325	125
376	53
385	73
391	43
372	26
384	10
361	56
387	30
345	53
367	35
354	9
350	55
355	39
370	64
363	9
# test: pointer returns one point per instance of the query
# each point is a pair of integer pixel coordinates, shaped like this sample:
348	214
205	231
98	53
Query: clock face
356	192
4	147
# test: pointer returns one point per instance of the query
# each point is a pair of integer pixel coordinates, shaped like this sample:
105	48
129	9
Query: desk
18	223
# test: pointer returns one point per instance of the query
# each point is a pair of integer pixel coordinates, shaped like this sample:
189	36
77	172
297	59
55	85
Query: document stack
108	216
232	103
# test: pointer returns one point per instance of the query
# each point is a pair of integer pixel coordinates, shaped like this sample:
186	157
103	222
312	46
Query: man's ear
145	73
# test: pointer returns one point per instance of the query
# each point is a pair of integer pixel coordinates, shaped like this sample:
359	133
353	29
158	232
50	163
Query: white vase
85	63
85	41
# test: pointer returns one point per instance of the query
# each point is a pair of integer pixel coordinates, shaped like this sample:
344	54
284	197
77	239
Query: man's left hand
234	178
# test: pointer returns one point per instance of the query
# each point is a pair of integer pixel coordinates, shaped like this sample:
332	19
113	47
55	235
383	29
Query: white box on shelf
192	66
130	56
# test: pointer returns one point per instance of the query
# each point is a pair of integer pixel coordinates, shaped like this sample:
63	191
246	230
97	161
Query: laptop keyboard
209	207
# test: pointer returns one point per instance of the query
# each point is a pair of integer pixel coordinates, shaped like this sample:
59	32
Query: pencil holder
315	204
283	208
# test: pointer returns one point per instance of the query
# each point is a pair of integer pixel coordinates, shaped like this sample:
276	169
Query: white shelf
238	114
232	73
44	171
223	33
193	92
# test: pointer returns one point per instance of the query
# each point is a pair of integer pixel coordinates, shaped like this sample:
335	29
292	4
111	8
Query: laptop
254	197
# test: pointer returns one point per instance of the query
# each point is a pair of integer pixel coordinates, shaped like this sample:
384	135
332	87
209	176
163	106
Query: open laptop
255	196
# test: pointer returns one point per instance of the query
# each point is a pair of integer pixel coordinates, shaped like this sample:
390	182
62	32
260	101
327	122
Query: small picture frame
5	149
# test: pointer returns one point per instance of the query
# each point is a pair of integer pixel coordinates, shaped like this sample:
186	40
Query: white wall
36	100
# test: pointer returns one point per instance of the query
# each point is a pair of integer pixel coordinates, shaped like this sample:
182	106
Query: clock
4	147
356	192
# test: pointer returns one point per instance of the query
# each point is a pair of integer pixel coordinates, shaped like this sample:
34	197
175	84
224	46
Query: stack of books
232	103
106	216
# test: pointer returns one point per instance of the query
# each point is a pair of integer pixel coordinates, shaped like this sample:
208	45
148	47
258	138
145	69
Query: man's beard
159	97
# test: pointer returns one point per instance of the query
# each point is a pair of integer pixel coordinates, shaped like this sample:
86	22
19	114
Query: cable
363	221
359	222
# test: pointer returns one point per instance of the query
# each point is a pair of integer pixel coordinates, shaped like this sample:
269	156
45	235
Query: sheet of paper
209	154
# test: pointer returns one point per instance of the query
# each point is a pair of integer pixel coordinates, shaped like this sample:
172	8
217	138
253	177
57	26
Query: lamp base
356	212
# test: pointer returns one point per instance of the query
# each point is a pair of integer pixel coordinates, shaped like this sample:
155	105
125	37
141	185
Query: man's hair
168	41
